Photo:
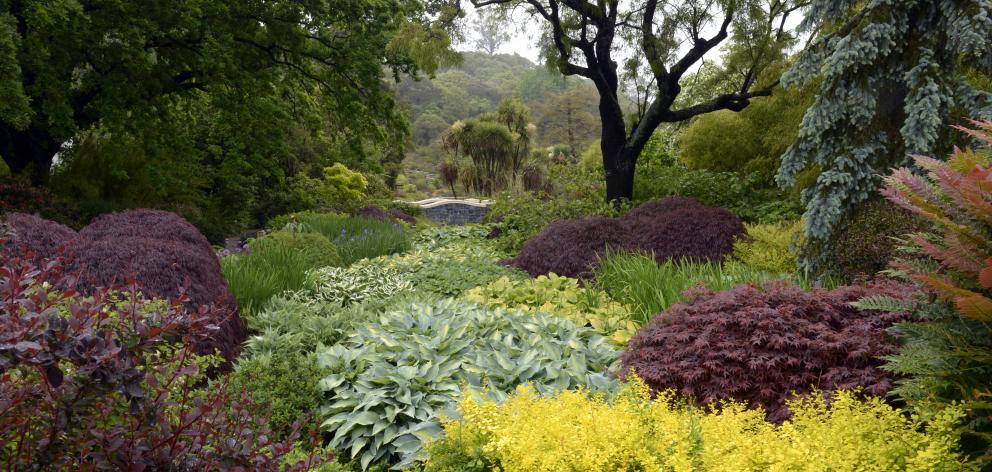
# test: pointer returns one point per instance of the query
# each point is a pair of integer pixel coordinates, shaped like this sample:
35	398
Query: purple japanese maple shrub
657	208
760	345
109	382
570	247
684	231
165	269
35	236
145	223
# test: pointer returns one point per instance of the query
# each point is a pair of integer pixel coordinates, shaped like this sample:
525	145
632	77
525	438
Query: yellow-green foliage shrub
562	297
769	247
573	431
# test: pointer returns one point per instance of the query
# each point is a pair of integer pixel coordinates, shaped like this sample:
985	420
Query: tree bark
30	150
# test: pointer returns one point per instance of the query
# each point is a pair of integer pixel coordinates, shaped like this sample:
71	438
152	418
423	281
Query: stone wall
452	211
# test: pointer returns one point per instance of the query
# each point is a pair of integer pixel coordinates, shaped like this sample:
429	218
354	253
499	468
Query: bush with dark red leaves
402	215
372	212
160	249
36	236
17	197
673	228
657	208
103	382
145	223
165	269
697	234
760	344
571	247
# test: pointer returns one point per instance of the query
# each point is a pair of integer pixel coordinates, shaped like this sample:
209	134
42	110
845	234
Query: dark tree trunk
30	150
618	162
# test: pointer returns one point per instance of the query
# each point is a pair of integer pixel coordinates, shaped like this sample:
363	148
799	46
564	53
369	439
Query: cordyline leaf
975	306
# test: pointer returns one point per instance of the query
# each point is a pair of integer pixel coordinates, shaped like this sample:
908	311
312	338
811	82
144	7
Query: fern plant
946	352
957	197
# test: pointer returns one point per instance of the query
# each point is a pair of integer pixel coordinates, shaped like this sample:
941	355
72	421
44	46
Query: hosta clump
448	270
562	297
389	382
354	284
759	344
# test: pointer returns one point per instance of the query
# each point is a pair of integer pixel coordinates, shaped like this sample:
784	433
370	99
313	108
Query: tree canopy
588	39
68	65
892	76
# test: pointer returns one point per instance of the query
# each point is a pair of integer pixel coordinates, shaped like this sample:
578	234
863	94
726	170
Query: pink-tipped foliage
673	228
402	215
372	212
760	344
570	247
35	237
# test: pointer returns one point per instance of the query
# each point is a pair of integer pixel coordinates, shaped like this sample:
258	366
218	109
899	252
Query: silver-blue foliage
890	74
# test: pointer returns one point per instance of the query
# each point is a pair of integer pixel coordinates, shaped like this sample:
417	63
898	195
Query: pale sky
524	39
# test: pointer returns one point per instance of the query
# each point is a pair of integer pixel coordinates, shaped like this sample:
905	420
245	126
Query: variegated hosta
391	381
354	284
562	297
957	197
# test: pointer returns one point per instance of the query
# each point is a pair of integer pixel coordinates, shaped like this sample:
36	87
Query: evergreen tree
891	77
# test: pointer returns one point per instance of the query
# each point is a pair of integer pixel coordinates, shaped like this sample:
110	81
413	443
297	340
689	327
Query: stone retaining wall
453	211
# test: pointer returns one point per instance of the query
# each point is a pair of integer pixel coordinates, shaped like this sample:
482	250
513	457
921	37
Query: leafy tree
498	143
571	118
490	31
584	37
892	75
751	141
71	64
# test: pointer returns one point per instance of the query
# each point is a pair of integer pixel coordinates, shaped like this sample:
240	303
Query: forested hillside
563	110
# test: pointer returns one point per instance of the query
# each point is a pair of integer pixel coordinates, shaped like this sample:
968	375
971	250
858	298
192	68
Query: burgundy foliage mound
145	223
673	228
402	215
167	255
570	247
759	344
36	235
657	208
99	383
372	212
699	234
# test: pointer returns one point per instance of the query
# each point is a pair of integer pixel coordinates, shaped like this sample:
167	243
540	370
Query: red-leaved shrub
36	236
165	269
695	233
570	247
372	212
145	223
402	215
101	383
163	251
673	228
656	208
760	344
